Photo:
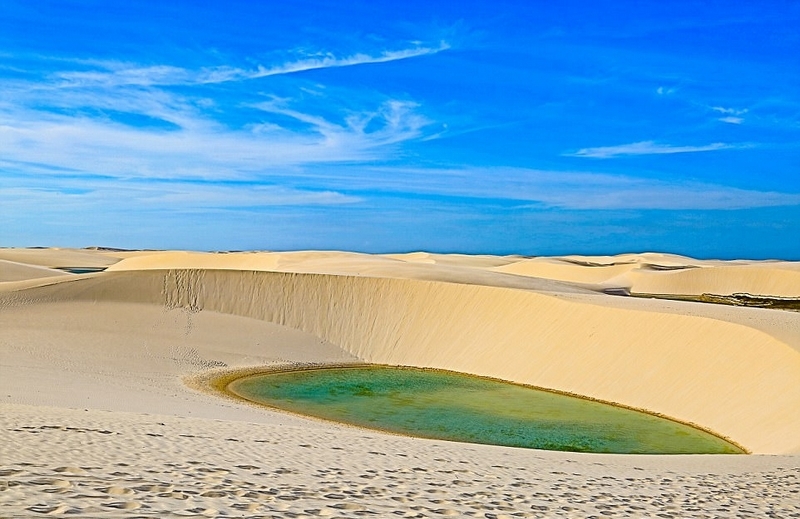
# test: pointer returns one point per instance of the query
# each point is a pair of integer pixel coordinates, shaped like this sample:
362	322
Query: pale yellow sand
13	271
97	419
55	258
666	274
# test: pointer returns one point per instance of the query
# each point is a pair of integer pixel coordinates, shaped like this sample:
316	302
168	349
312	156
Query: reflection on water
458	407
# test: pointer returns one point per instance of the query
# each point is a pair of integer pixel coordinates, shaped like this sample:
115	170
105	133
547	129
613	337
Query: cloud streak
117	74
518	188
124	120
566	189
729	111
129	123
201	148
730	115
63	194
644	148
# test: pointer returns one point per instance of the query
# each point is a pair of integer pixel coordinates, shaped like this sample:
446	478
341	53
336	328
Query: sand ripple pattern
175	467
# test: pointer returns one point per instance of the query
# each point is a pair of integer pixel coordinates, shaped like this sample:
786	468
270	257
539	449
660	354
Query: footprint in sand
154	488
174	495
123	505
213	493
208	512
247	507
57	483
115	491
49	509
70	470
347	506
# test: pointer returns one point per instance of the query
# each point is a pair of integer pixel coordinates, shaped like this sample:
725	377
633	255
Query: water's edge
219	382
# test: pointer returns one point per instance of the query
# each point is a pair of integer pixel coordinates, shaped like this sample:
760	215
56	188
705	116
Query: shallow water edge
220	383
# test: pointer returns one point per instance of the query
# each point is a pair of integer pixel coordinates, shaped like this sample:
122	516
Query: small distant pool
458	407
82	270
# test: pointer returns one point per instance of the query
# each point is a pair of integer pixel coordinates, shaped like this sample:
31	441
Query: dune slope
732	379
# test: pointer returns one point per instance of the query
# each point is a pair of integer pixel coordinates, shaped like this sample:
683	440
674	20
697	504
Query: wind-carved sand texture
102	415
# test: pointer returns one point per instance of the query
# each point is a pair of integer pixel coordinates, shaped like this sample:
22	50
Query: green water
453	406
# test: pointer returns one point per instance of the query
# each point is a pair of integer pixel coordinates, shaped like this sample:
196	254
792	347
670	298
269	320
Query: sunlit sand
104	407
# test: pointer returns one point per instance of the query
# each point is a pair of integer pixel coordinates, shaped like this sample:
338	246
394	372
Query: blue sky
478	127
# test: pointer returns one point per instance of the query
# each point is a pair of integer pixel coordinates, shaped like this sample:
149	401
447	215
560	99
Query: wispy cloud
126	121
64	192
644	148
111	73
119	139
339	185
729	111
87	211
570	189
730	115
392	122
202	148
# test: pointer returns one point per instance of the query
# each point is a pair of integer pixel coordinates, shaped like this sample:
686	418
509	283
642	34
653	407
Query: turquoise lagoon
453	406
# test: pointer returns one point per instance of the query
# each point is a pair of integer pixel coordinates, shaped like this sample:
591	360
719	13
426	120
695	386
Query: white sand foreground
98	419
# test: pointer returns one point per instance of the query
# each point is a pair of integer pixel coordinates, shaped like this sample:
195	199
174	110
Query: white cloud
179	136
122	120
112	73
203	196
729	111
731	115
201	148
392	122
644	148
115	195
571	190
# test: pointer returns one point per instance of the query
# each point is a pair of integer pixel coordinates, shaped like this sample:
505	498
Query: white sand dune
666	274
98	418
61	258
13	271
